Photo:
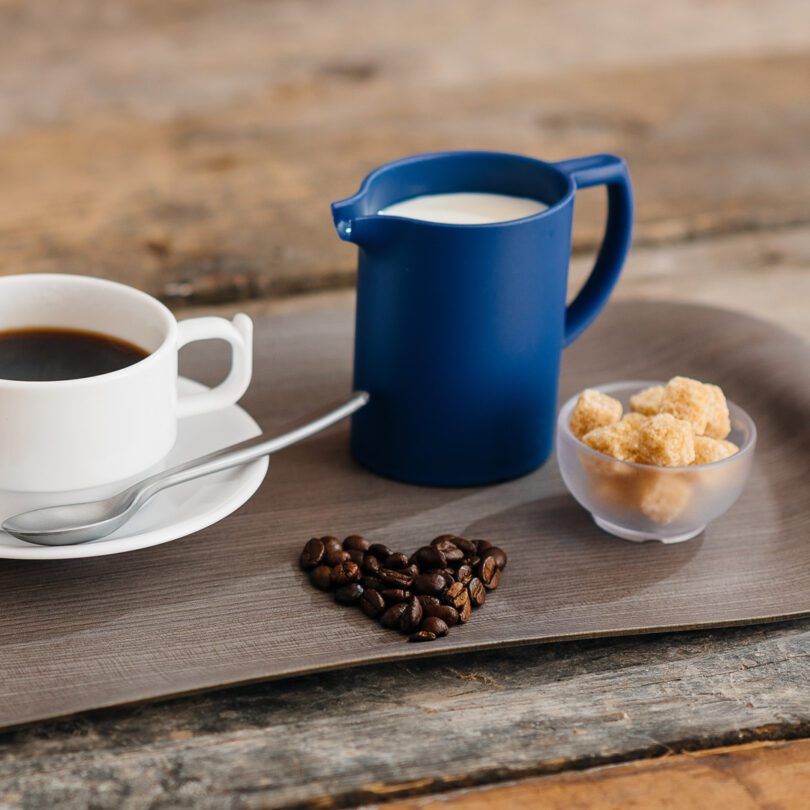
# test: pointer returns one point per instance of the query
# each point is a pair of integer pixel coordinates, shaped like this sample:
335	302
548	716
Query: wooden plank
204	172
760	776
765	274
373	734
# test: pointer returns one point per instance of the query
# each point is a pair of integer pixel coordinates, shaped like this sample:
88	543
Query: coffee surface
40	354
467	208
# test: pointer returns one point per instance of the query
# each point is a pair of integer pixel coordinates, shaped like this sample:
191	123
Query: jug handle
611	171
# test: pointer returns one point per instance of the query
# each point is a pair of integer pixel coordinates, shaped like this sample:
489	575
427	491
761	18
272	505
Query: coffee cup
79	434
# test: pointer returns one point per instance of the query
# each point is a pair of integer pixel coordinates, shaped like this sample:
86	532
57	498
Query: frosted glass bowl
643	502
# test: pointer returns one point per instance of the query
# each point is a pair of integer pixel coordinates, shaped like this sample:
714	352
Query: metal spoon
74	523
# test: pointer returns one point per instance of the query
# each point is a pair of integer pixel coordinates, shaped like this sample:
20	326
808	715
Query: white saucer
183	509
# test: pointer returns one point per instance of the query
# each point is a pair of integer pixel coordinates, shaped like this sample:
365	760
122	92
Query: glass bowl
643	502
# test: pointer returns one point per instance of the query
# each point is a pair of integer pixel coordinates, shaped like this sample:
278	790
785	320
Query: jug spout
343	213
348	216
353	224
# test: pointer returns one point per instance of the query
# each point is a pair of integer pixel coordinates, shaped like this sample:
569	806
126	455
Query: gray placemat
229	604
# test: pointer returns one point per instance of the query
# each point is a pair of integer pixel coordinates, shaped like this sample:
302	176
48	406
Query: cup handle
239	333
597	170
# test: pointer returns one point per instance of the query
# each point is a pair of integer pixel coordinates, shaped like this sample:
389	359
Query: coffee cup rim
151	358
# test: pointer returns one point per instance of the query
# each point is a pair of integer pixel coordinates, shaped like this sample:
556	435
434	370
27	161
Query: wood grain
761	776
193	149
765	274
372	734
230	605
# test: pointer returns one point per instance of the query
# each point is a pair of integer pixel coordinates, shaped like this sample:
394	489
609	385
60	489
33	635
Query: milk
467	208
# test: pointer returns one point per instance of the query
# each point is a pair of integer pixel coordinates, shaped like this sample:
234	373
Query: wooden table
193	148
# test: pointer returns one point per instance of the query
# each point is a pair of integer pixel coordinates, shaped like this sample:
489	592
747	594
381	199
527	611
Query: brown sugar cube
617	492
718	424
666	441
636	420
664	497
600	469
691	401
620	440
594	410
648	401
708	450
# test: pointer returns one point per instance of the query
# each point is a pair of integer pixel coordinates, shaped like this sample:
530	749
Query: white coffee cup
66	435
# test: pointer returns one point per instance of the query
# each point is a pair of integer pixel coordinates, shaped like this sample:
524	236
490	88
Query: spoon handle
244	452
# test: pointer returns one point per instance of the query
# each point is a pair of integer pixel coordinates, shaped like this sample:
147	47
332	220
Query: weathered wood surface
766	274
372	734
193	148
759	776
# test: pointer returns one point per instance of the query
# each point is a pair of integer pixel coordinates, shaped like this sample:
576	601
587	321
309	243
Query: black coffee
40	354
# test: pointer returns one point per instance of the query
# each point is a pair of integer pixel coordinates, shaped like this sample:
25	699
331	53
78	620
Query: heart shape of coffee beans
423	595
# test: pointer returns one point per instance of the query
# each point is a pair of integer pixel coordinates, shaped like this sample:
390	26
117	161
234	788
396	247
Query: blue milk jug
459	328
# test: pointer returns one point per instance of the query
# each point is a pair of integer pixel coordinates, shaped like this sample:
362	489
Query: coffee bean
422	595
345	572
487	571
430	557
422	635
498	554
457	596
432	584
395	579
411	617
390	619
355	542
393	596
478	594
371	565
486	568
349	594
372	603
464	573
321	577
334	550
428	601
312	554
447	613
433	624
380	551
452	553
495	581
467	546
397	561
